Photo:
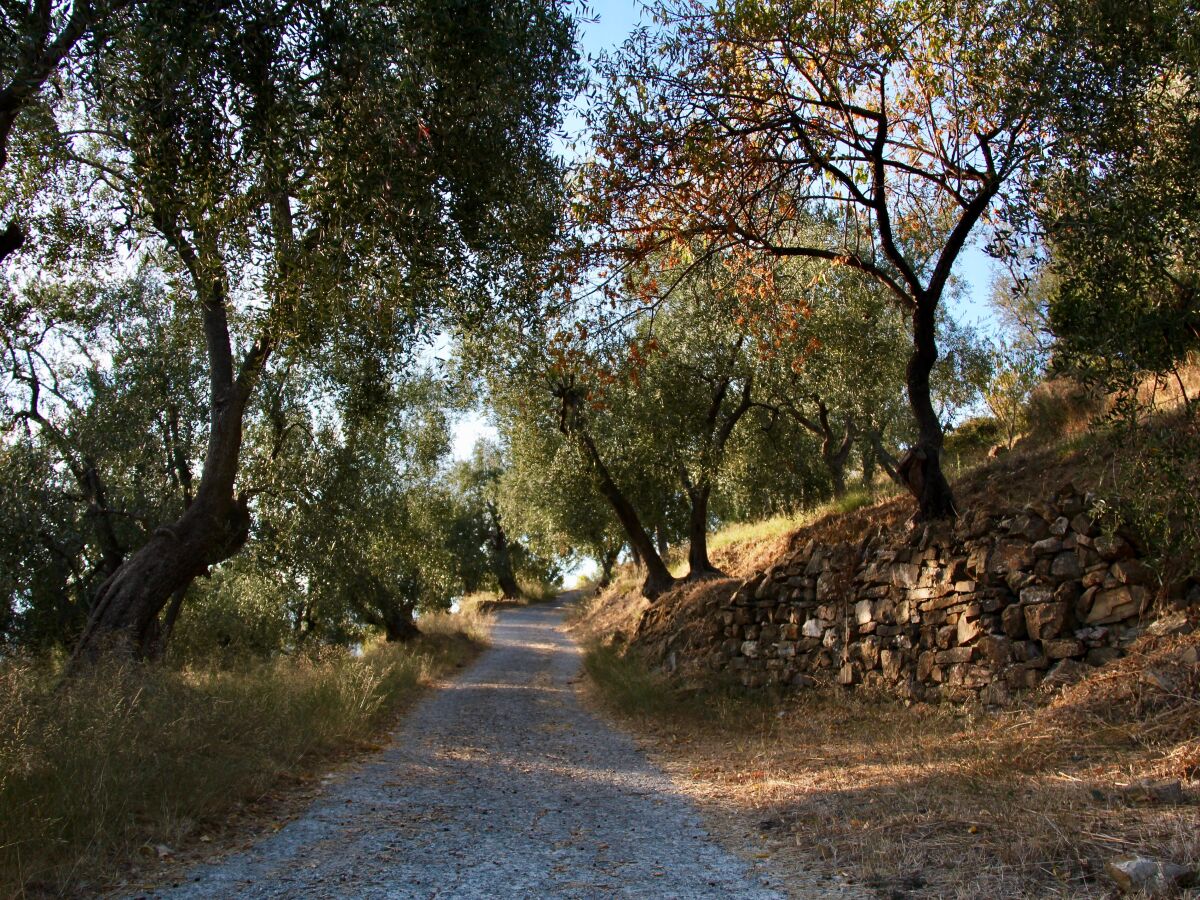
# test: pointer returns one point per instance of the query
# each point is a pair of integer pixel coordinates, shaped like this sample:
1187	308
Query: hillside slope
1034	799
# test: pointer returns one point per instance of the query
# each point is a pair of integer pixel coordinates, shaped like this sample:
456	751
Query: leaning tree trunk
921	467
699	565
124	617
659	579
125	614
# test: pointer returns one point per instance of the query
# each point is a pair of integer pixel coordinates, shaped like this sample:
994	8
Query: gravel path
501	785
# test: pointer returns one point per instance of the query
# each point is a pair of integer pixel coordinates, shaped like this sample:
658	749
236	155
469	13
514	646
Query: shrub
973	438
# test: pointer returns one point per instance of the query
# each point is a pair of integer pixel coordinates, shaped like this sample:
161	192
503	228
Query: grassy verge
131	761
532	591
935	801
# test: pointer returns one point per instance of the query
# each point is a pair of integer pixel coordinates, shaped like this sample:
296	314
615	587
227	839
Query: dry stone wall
996	603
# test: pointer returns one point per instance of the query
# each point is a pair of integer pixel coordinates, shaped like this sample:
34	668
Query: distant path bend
497	785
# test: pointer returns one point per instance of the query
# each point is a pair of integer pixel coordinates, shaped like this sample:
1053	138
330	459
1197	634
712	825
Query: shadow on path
499	784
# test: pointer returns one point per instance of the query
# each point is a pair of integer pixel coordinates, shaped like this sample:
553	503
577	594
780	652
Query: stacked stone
998	602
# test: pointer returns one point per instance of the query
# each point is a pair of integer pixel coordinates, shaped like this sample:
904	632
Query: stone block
1082	523
904	574
1036	593
1083	604
977	562
1047	546
891	662
1062	648
1044	620
1131	571
750	649
968	629
1116	604
1032	527
1009	555
868	652
954	655
863	612
1113	547
995	649
1066	567
925	664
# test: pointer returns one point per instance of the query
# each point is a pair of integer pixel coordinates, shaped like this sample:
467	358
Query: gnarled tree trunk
125	614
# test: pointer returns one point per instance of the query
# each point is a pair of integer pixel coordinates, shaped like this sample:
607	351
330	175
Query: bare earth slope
498	785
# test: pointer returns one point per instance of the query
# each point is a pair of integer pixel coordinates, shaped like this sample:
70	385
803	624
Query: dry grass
609	614
918	801
932	801
101	776
1064	408
532	591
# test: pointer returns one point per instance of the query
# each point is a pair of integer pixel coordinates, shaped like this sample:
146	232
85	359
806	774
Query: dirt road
498	785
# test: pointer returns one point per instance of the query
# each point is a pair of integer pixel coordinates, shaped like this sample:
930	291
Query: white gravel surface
499	784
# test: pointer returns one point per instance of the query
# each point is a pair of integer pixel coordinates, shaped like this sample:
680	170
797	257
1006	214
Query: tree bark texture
699	565
125	613
921	466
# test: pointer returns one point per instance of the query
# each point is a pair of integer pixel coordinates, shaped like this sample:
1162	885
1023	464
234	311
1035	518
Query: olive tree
314	169
739	127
